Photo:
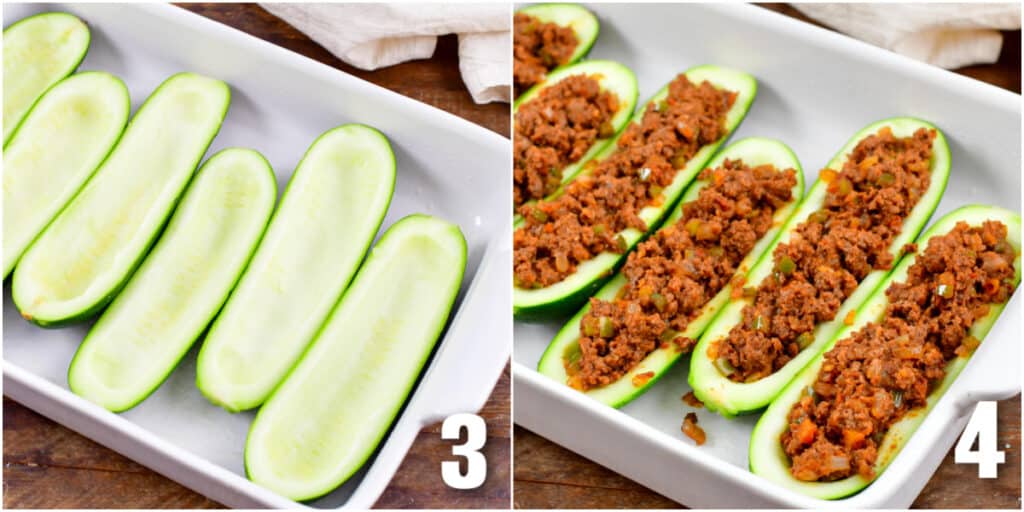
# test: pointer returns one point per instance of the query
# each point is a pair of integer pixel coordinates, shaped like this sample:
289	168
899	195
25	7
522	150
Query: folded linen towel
946	35
370	36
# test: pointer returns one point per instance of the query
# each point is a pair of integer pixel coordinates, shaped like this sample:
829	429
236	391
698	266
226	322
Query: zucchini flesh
180	286
582	22
612	77
328	216
753	152
566	296
82	116
39	51
767	457
336	405
730	398
84	257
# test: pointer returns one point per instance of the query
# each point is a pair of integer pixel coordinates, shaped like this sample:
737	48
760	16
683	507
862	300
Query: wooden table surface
49	466
549	476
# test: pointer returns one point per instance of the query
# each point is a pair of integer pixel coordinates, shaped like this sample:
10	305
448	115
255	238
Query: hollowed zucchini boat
329	214
336	405
84	257
729	398
576	17
83	116
564	297
767	457
181	285
753	152
613	77
39	51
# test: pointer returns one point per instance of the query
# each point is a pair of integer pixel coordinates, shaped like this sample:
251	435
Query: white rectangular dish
816	88
281	101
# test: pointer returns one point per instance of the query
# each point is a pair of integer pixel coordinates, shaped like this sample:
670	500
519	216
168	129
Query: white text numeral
981	426
476	464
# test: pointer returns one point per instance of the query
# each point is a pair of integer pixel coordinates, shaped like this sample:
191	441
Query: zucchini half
181	285
39	51
753	152
58	146
767	457
84	257
729	398
578	18
329	415
329	214
568	295
613	77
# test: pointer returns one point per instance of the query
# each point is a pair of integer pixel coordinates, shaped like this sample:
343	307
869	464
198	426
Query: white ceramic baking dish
816	88
280	102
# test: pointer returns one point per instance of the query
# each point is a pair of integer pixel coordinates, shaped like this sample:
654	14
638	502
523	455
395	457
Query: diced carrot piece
850	317
805	431
853	438
693	431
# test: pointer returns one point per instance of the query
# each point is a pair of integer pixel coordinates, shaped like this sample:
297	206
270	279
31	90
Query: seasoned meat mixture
538	47
872	378
586	217
692	430
829	253
671	276
556	129
691	399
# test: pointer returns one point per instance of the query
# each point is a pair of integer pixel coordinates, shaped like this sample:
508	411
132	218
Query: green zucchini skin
39	182
563	298
301	268
767	458
730	398
195	264
578	18
334	408
753	151
615	78
49	35
71	218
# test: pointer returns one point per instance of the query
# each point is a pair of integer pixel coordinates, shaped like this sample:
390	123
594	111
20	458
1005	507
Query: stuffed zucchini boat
564	121
329	214
326	419
872	198
180	286
548	36
84	257
887	370
673	284
39	51
568	245
84	116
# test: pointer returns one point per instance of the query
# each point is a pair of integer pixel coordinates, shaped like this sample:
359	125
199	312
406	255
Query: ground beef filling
556	129
586	217
829	253
538	47
872	378
671	276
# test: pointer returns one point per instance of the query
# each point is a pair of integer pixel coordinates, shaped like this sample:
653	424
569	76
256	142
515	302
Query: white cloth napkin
946	35
370	36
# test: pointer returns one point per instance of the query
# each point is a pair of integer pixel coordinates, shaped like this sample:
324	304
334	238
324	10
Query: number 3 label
981	426
476	464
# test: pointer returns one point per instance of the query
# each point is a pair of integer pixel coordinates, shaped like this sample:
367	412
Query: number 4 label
981	426
476	463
